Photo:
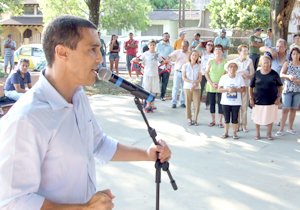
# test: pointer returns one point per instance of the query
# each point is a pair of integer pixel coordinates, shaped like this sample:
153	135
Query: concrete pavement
211	173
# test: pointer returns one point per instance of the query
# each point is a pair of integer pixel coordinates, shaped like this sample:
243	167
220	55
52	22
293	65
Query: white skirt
151	84
264	114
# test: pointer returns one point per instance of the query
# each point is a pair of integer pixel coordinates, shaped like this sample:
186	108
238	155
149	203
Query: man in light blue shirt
224	41
268	40
196	41
9	49
164	49
50	137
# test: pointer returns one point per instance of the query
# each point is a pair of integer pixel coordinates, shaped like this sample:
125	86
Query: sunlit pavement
211	173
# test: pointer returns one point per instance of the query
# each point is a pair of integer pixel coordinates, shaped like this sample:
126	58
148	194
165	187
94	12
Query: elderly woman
206	55
15	84
231	86
213	73
246	71
291	91
267	88
191	75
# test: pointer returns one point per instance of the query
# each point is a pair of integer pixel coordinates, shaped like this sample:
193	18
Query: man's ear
61	52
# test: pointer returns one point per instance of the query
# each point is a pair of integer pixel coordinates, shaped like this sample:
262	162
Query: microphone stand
158	164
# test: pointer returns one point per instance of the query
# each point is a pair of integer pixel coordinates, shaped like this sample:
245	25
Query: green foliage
113	14
124	14
243	15
52	8
170	4
164	4
15	7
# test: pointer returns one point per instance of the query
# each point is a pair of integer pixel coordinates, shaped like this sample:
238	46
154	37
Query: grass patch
1	59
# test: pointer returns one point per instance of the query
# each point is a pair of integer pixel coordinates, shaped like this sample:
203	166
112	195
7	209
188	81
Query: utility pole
179	13
183	13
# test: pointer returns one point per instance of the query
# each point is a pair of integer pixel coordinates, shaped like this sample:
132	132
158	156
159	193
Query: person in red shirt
131	49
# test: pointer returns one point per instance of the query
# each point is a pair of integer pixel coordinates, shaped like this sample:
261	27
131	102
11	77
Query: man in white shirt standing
9	49
180	57
50	137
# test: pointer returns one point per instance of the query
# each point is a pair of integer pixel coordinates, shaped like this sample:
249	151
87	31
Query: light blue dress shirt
47	149
225	42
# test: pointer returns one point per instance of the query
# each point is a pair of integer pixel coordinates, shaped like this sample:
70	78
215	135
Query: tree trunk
94	7
281	11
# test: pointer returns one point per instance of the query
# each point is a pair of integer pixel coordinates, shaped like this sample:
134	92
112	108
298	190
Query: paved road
211	173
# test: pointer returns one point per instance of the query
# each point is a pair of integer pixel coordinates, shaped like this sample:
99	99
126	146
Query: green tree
243	15
110	14
163	4
15	7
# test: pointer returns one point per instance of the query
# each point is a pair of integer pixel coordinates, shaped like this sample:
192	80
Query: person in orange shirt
177	43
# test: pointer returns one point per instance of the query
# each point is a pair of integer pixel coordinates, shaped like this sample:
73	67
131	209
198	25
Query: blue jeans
255	60
290	100
177	81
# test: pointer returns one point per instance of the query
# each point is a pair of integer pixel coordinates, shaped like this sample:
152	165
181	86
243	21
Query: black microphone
106	75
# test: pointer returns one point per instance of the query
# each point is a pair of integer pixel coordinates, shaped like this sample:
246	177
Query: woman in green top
214	71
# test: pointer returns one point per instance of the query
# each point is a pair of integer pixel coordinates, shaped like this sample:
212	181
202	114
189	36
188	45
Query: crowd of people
192	76
235	85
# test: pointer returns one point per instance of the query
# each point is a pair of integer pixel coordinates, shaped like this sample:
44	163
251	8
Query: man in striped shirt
9	48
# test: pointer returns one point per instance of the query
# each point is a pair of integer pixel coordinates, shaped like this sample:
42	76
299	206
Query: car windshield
37	52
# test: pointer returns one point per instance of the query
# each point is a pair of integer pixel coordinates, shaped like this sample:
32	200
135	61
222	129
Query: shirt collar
55	100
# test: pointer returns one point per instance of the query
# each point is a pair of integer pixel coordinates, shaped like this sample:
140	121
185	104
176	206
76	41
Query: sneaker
137	79
130	79
163	99
173	105
182	105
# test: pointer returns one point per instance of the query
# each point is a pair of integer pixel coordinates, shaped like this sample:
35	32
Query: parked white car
143	40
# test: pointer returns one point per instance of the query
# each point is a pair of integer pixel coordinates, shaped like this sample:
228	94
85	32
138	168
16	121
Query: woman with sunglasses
206	55
15	84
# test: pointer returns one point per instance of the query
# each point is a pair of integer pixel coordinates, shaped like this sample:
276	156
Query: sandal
256	137
224	136
270	137
154	107
195	123
292	132
221	125
278	124
190	123
211	124
237	130
245	130
235	137
278	133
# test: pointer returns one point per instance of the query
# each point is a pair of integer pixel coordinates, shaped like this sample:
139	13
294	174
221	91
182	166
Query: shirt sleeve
15	79
22	151
229	43
175	44
142	57
252	81
126	43
29	77
242	81
5	42
160	59
173	55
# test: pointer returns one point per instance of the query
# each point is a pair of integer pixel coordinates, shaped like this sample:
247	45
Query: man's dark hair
296	35
131	33
198	34
63	30
166	33
188	44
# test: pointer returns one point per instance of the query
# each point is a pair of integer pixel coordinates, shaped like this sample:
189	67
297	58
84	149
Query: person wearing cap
9	49
268	40
255	42
231	85
296	41
177	43
224	41
103	51
196	42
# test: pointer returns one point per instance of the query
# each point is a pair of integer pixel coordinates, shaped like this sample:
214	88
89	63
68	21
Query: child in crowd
151	78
